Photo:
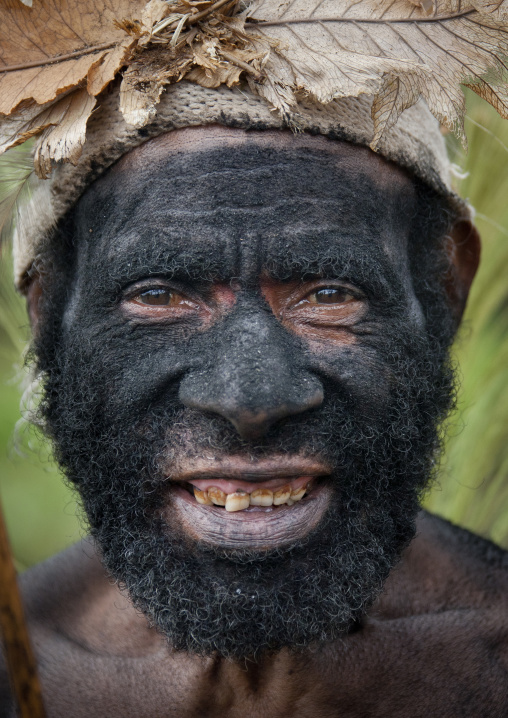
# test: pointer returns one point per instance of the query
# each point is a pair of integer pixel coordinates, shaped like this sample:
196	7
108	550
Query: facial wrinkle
113	406
271	208
241	605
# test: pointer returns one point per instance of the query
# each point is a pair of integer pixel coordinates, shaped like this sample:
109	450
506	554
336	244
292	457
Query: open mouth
233	503
242	495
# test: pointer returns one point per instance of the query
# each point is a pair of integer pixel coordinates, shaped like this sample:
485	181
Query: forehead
226	200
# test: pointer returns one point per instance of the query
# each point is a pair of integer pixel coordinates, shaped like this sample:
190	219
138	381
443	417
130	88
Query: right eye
160	301
158	298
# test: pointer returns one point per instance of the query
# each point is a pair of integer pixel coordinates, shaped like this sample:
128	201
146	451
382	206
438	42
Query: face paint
242	370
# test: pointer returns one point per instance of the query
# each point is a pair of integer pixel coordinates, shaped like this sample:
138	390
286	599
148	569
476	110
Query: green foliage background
473	486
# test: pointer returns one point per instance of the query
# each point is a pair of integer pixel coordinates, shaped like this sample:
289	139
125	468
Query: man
243	336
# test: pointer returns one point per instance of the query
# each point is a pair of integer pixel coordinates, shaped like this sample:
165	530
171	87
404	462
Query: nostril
253	424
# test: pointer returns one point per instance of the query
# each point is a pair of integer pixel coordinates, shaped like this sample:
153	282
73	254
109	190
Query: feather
17	175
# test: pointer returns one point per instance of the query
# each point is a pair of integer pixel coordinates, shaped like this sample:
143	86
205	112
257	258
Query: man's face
241	319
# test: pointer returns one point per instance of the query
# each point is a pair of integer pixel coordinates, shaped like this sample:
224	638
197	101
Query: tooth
298	494
261	497
202	497
237	501
282	495
289	502
217	496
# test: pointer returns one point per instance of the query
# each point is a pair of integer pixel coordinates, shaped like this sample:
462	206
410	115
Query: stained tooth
202	497
289	502
261	497
282	495
217	496
298	494
237	501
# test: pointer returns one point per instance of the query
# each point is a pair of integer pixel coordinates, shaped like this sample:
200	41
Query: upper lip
240	469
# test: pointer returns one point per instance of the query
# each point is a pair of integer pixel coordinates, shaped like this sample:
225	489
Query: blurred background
472	490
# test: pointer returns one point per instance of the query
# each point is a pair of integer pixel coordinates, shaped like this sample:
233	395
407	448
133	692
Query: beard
241	604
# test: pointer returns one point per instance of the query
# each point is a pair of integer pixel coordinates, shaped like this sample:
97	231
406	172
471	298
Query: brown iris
158	297
329	295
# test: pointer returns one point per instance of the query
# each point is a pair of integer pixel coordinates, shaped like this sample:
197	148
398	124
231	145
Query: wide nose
252	375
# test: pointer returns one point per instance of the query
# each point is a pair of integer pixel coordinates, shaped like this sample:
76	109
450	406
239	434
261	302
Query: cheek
362	378
128	369
134	368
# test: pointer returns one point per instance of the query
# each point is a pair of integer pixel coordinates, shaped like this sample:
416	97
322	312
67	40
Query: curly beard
240	604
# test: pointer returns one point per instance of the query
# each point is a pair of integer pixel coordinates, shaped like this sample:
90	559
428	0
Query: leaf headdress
61	62
58	55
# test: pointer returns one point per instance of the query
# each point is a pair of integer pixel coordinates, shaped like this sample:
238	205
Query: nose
253	375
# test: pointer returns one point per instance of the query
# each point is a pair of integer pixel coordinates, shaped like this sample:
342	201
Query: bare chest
449	664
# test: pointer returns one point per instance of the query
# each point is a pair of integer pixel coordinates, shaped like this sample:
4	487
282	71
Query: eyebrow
201	244
347	260
188	260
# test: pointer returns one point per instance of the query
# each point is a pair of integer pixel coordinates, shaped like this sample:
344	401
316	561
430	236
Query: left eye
157	297
329	295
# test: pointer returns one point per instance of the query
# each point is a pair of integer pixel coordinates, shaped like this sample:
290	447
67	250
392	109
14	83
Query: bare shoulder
441	621
71	595
436	640
53	592
450	567
82	629
53	587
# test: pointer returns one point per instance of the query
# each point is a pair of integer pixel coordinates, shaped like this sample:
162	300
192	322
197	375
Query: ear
463	248
33	302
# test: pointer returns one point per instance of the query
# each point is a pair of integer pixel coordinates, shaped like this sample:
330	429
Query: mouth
238	504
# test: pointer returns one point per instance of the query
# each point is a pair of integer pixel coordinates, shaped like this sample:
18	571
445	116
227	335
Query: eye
329	295
158	298
153	300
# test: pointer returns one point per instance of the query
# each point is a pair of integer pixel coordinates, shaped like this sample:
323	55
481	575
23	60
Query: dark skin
434	642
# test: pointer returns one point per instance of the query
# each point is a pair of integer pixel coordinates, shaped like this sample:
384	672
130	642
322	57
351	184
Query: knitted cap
414	143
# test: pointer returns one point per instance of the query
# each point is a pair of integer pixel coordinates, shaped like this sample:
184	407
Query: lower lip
256	528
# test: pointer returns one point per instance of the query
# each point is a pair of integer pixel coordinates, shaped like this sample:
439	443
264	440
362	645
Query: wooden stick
18	651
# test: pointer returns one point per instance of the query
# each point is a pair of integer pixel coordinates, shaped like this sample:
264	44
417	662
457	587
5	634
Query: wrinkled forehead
222	199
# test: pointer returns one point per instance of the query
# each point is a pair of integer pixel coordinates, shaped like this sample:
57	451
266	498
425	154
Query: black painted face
243	317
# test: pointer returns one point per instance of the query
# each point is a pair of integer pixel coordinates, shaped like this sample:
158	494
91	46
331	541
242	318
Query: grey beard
206	600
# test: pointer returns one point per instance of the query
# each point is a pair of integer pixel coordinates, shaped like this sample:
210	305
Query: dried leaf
390	50
399	92
47	52
428	6
61	126
145	79
48	33
100	74
497	8
153	12
216	53
211	70
393	50
65	137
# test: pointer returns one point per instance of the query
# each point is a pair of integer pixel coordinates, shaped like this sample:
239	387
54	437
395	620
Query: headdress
90	80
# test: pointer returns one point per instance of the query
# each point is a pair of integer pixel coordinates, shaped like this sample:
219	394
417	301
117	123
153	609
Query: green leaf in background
40	510
473	486
473	490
